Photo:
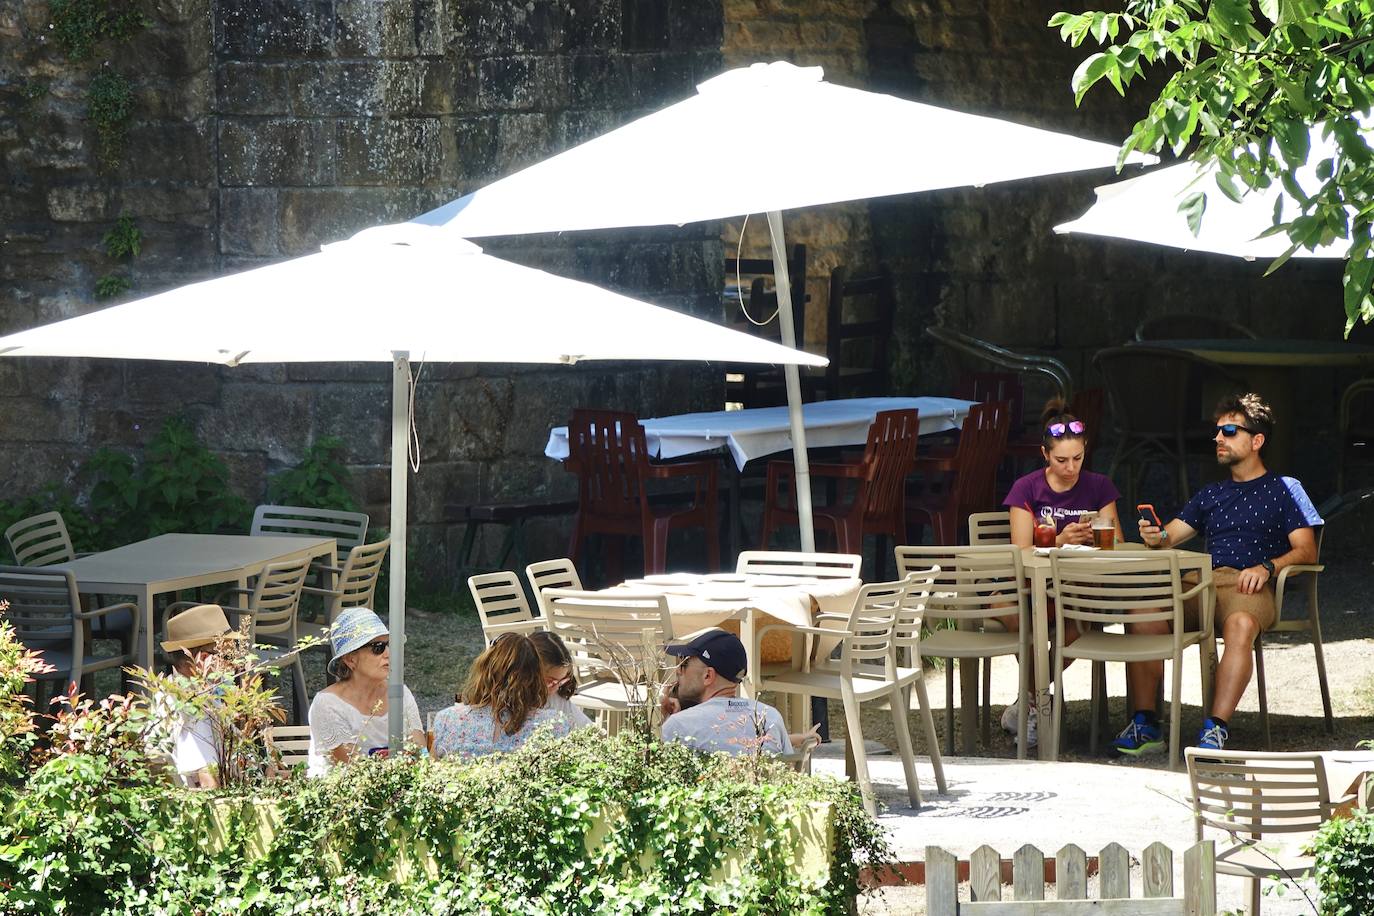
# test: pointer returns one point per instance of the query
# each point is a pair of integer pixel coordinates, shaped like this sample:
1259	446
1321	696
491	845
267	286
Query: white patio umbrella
681	165
1146	209
393	295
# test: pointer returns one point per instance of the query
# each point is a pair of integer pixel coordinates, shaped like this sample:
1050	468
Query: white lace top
335	721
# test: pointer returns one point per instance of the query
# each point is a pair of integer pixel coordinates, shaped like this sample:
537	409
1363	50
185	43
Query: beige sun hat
197	626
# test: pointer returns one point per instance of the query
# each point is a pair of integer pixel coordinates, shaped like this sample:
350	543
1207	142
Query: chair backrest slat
970	583
292	742
276	598
1099	589
603	631
605	450
551	574
348	529
1255	793
500	599
40	540
986	528
889	457
357	584
795	563
872	625
42	604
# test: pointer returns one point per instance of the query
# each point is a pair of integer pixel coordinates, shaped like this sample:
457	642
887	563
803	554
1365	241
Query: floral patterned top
471	731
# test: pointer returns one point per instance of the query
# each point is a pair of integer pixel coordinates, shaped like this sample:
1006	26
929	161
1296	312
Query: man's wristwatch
1268	567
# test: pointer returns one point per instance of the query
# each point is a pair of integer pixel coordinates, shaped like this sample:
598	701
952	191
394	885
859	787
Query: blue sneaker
1213	736
1140	736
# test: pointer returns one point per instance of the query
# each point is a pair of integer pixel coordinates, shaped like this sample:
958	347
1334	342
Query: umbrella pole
400	471
792	375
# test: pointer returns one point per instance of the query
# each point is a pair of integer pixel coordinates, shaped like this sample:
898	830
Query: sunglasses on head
377	647
1229	430
1058	429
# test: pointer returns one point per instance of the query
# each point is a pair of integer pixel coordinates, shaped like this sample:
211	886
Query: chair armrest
1298	569
1195	590
327	592
811	631
108	609
826	615
325	567
847	471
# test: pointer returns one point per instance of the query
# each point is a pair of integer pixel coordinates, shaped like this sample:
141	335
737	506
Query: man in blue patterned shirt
1255	524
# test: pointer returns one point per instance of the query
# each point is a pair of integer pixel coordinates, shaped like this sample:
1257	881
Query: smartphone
1086	518
1148	515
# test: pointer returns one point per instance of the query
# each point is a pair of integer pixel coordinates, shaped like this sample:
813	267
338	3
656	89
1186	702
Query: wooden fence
985	874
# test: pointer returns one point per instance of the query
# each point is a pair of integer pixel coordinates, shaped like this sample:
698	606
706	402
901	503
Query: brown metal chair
1156	397
858	328
878	505
982	442
607	452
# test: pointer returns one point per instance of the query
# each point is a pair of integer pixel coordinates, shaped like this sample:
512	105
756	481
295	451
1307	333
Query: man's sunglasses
378	647
1058	429
1229	430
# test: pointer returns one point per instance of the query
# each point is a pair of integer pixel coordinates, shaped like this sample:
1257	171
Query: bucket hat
197	626
354	628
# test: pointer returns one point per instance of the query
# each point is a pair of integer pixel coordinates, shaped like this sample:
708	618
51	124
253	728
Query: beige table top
708	599
171	558
1188	559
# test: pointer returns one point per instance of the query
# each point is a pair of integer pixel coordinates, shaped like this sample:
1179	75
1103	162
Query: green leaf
1089	71
1294	141
1192	208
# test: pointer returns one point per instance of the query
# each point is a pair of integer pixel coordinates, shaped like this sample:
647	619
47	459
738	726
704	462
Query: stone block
484	28
82	203
591	26
30	466
695	24
578	126
524	139
375	373
248	222
177	52
645	25
186	206
38	419
382	28
598	80
388	152
273	28
358	88
248	472
510	84
180	149
274	419
360	416
252	88
154	383
438	483
117	427
448	87
310	217
276	151
661	79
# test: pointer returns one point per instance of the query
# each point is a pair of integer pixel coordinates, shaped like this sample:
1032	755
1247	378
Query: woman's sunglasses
1229	430
1058	429
378	647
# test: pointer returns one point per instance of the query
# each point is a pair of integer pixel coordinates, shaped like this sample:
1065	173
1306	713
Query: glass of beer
1104	533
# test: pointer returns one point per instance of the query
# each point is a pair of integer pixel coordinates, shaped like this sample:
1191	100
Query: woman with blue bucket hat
349	717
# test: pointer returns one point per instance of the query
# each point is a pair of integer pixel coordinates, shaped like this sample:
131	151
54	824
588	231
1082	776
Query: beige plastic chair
973	585
292	742
272	605
348	529
501	605
45	611
1309	624
42	540
551	574
867	671
1102	590
356	582
604	633
794	563
989	528
1268	804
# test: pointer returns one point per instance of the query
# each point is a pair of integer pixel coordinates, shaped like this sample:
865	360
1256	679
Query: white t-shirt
573	713
190	741
335	721
729	725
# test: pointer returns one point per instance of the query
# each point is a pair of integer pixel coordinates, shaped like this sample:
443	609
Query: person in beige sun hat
191	637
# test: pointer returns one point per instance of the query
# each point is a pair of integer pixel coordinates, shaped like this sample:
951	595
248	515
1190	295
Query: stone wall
265	127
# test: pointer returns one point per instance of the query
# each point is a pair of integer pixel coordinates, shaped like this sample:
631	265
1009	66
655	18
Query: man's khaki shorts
1230	601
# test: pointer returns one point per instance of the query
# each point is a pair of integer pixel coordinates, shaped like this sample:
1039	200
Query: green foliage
110	106
507	836
1344	851
84	532
18	665
180	485
79	25
1241	90
31	92
320	481
112	285
124	240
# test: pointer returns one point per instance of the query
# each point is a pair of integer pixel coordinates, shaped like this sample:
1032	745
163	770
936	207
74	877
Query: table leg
733	524
1040	640
145	620
747	625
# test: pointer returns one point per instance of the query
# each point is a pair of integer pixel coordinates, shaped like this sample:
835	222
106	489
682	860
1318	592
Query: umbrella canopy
678	166
392	290
1147	209
384	297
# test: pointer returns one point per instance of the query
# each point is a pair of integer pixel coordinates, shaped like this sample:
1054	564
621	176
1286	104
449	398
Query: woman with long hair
555	663
502	704
1062	494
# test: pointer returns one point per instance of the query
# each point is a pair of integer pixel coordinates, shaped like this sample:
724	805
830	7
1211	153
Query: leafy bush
320	481
18	665
78	25
1344	850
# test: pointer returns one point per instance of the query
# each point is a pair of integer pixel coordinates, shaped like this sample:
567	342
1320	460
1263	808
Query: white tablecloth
760	431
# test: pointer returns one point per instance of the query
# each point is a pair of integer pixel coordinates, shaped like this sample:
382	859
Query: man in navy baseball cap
707	713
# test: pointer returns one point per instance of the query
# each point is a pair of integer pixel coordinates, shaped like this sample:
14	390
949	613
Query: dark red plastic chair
879	500
606	449
973	468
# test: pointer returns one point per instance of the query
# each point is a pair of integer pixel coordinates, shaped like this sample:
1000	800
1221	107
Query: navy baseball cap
720	650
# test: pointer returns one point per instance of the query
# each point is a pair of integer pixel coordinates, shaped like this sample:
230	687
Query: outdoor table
761	431
1347	774
1267	365
170	562
749	603
1037	567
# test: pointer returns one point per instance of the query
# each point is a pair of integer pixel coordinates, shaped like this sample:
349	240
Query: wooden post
1157	871
985	874
1200	879
1071	874
942	883
1028	874
1114	869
